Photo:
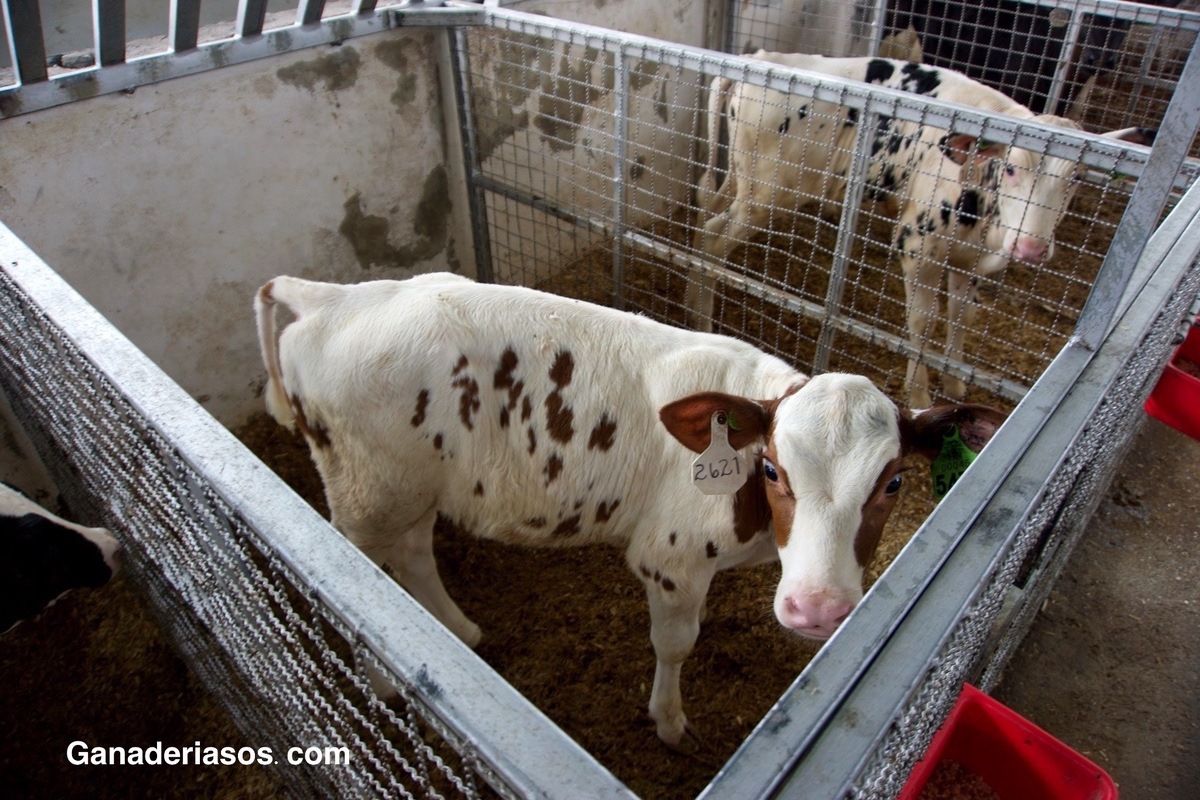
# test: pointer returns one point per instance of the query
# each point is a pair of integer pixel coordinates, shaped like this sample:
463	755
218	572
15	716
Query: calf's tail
274	393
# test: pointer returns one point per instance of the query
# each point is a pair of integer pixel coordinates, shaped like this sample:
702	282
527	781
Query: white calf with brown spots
535	419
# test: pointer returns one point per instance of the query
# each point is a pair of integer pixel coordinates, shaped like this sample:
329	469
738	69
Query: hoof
693	747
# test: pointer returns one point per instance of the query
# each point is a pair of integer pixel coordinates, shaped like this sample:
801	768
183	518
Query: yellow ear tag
719	469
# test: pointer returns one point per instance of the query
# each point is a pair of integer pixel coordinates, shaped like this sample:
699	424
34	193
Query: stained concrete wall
168	206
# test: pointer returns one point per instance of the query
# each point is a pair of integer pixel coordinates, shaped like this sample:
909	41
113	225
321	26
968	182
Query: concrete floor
1112	665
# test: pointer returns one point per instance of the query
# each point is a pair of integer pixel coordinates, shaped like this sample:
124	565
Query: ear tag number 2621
719	469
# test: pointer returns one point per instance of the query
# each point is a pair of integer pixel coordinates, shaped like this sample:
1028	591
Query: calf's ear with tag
689	419
950	436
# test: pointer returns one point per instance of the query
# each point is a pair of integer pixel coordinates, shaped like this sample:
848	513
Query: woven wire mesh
253	633
1075	59
980	647
574	208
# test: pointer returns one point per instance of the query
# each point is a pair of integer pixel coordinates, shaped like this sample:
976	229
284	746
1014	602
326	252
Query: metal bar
620	182
309	12
477	205
1149	197
878	25
365	6
796	744
509	734
110	31
1069	45
251	16
856	182
29	46
153	69
184	28
1144	71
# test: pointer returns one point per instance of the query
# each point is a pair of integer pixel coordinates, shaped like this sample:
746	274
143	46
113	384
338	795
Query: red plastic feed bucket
1014	757
1176	398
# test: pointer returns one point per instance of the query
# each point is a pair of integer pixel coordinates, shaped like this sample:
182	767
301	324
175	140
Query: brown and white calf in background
964	208
535	419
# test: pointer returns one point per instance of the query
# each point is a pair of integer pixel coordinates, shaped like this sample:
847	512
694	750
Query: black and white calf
964	208
43	556
535	419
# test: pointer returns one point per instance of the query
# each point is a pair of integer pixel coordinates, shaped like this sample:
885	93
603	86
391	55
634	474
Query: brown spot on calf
559	418
605	510
504	380
468	400
562	369
603	435
315	433
554	466
422	404
567	527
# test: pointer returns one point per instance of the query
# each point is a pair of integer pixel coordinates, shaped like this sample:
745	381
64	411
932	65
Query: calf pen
578	153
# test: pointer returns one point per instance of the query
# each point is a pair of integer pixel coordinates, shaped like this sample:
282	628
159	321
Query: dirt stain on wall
394	55
368	234
334	72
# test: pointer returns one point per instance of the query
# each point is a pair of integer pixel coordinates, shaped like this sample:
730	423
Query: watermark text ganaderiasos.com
81	753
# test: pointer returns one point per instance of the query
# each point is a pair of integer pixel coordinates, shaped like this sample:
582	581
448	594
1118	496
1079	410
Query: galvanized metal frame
37	90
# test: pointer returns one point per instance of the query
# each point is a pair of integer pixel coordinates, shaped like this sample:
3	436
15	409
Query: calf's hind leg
410	555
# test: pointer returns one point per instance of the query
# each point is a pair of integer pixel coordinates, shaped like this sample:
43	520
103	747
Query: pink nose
814	614
1031	250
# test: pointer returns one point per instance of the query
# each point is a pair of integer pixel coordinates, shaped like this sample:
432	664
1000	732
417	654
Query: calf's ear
961	148
923	431
689	419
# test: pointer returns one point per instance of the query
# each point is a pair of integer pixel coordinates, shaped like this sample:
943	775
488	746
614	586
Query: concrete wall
168	206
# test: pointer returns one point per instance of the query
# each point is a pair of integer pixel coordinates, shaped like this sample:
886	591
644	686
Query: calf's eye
769	470
1010	170
894	484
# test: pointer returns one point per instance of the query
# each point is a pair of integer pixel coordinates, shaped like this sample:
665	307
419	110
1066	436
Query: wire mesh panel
1106	64
584	201
257	638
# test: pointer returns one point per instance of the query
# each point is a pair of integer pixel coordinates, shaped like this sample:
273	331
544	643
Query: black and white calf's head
42	557
1020	196
831	468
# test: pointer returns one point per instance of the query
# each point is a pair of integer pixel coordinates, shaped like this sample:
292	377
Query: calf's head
830	461
1024	194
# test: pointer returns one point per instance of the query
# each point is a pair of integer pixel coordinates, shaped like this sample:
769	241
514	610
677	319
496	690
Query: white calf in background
965	208
535	419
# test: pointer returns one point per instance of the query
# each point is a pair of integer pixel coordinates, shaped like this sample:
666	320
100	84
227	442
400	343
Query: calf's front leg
675	609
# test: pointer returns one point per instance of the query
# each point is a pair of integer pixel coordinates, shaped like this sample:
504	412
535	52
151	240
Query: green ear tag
950	463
